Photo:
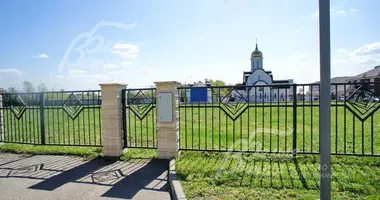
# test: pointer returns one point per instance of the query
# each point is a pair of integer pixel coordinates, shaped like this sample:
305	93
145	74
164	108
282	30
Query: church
271	90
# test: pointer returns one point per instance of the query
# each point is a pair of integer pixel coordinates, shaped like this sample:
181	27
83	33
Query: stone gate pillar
167	119
112	129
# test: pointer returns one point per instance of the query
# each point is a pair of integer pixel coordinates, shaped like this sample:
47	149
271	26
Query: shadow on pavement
11	158
70	175
136	178
145	178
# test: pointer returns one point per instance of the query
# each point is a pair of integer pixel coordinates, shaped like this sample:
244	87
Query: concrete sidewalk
66	177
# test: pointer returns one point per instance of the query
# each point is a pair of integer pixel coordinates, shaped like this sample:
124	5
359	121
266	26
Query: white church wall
209	95
259	75
265	94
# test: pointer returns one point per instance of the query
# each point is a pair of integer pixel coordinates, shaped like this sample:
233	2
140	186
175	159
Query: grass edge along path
247	175
262	176
86	152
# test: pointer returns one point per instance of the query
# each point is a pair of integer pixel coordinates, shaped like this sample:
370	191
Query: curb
175	185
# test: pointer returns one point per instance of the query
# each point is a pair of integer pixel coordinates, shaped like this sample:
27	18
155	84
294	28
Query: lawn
227	175
270	129
60	128
87	152
224	175
260	128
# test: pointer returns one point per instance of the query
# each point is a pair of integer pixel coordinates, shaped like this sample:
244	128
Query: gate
139	118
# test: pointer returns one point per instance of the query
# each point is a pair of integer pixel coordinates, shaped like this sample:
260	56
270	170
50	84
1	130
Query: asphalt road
66	177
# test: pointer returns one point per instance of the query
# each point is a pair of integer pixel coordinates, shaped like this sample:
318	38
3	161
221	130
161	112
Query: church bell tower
256	59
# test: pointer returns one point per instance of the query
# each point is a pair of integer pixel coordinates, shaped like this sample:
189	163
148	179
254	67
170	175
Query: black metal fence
262	118
70	118
139	118
279	118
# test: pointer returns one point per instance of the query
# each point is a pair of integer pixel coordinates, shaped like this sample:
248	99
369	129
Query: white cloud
361	59
352	66
11	78
354	10
12	71
89	49
126	50
371	62
297	56
298	30
80	81
76	71
341	12
111	66
372	49
145	70
342	51
300	71
126	63
42	56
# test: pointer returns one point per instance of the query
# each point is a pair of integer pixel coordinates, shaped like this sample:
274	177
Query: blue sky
79	44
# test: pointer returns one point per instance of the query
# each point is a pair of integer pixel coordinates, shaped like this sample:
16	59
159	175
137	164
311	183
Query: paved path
66	177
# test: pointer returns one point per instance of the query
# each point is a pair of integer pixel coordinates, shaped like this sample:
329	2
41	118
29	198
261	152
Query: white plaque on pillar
165	106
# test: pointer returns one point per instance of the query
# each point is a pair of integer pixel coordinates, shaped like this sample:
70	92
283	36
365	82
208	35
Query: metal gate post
42	118
2	133
294	150
125	117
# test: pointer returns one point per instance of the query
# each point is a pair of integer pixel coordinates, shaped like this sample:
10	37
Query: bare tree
27	86
42	87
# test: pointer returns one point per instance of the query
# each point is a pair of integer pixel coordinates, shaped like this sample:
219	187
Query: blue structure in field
199	93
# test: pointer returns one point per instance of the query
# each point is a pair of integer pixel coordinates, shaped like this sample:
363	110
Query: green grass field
271	129
262	176
85	129
268	129
225	175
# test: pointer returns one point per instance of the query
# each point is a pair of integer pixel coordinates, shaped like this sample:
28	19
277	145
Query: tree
27	86
42	87
12	90
217	82
222	91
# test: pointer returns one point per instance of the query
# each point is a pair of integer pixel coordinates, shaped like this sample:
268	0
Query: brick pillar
1	116
167	119
112	129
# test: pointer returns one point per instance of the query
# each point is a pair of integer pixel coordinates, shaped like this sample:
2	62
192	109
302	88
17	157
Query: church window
275	94
260	95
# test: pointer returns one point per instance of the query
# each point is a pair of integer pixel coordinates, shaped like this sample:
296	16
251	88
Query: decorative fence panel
70	118
139	118
22	118
279	118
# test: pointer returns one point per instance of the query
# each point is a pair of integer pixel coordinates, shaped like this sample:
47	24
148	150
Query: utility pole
325	109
